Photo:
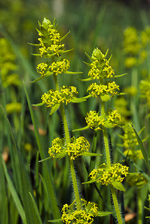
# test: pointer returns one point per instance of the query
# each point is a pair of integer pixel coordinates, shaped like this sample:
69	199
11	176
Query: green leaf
116	76
102	213
73	73
142	149
118	186
47	174
81	129
54	108
78	100
85	80
90	181
35	211
105	97
55	220
91	154
14	195
62	38
38	104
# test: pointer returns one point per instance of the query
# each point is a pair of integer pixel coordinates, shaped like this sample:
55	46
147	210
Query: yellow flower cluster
70	215
111	119
94	120
65	95
96	90
134	154
55	68
8	65
50	40
100	67
135	45
129	138
106	175
136	179
73	149
145	90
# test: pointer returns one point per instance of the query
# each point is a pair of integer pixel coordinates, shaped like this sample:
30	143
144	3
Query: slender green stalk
108	161
139	198
116	205
67	137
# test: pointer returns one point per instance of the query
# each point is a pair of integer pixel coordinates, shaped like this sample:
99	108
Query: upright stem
67	137
108	161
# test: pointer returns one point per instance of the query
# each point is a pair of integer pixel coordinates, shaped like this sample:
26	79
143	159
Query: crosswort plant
72	147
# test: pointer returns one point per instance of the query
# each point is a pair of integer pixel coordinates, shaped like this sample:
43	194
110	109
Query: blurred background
93	23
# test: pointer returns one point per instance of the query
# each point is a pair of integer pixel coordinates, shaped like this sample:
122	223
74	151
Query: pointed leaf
55	220
54	108
117	76
62	38
38	105
142	149
72	73
35	211
118	186
81	129
90	181
78	100
102	213
85	80
14	195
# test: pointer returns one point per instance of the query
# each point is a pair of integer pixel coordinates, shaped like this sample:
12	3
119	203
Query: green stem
67	137
116	205
108	160
139	198
75	186
92	161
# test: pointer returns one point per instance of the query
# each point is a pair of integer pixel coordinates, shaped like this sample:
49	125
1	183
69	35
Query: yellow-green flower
134	154
54	68
94	120
65	95
109	120
136	179
8	65
129	138
70	215
145	90
107	175
100	67
50	39
110	89
13	107
74	149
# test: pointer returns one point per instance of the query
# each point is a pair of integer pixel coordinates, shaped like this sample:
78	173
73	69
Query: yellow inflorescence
134	154
136	179
106	175
111	119
100	67
55	68
129	138
73	149
50	40
94	120
96	90
83	216
65	95
145	90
